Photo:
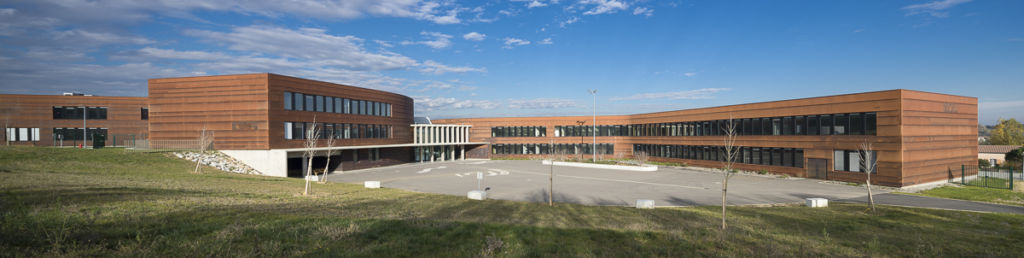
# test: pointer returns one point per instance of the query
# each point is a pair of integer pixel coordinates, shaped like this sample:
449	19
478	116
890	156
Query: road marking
427	170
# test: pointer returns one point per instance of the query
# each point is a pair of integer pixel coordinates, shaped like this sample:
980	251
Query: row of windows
306	102
75	134
77	112
519	131
786	157
23	134
833	124
851	160
544	148
297	131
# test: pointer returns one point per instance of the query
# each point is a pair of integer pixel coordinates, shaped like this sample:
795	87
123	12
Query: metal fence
974	175
167	145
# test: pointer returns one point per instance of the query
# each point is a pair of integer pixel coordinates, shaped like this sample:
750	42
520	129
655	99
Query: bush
984	163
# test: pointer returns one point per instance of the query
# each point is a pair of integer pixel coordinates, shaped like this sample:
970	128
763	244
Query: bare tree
330	144
641	157
205	140
551	175
312	135
868	164
730	151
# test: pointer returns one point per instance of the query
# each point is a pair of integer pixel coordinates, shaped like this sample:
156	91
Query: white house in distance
995	154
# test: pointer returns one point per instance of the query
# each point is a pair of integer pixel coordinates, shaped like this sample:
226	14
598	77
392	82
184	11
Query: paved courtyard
527	180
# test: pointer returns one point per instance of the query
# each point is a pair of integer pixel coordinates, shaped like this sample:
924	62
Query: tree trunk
725	189
309	171
551	184
871	198
323	178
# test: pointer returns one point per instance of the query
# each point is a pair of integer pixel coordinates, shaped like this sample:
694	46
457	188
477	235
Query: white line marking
458	175
618	180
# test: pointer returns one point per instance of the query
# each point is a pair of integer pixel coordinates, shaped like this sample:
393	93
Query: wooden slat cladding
181	107
400	120
124	115
939	134
921	126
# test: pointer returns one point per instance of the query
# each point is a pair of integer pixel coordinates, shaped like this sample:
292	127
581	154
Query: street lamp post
85	129
594	146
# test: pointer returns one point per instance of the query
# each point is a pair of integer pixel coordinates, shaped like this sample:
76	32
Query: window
338	107
287	100
96	113
839	160
288	131
800	126
346	103
841	123
145	113
826	124
23	134
776	126
812	125
787	125
798	158
869	124
329	105
299	103
298	130
856	124
310	103
320	104
851	160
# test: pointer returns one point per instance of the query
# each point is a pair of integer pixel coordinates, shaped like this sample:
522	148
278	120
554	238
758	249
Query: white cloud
437	40
569	21
474	36
604	6
383	43
705	93
690	74
546	41
513	42
311	44
433	104
542	103
432	67
536	3
185	55
936	8
643	11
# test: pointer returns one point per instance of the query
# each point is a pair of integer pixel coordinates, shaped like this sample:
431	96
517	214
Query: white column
463	149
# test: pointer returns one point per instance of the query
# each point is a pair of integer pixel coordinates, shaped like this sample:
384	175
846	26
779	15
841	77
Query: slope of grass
69	202
976	193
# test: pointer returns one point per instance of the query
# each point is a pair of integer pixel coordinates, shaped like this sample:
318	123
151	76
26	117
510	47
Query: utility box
98	141
817	202
645	204
477	195
371	184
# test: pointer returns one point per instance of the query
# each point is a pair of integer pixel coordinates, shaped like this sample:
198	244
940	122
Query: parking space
527	180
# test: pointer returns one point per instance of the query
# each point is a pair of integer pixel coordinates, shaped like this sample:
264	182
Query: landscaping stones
217	160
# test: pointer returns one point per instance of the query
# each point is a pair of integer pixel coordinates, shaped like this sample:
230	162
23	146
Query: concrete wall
267	162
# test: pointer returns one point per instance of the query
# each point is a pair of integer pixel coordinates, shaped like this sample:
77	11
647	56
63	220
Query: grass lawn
69	202
976	193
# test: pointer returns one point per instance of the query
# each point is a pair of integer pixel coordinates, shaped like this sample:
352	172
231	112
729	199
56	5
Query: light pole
594	146
85	129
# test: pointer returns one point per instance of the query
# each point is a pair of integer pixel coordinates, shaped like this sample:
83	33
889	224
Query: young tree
312	135
551	175
205	142
641	157
729	151
868	164
1007	132
330	144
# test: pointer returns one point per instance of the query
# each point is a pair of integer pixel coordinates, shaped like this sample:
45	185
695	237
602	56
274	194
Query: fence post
1011	179
962	180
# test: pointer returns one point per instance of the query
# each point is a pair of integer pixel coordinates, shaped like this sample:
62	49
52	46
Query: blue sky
526	58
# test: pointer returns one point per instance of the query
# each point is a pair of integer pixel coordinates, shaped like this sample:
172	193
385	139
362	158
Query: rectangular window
363	107
755	126
812	125
287	100
766	156
329	104
870	124
856	124
799	126
787	157
347	106
776	126
288	130
853	158
310	103
839	160
299	103
776	156
826	124
787	125
320	104
298	130
798	158
338	108
841	122
145	113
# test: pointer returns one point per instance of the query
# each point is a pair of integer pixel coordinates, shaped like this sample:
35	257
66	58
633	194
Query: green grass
69	202
976	193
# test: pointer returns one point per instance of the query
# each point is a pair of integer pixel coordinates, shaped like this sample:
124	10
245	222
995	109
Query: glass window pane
839	160
841	122
854	160
787	125
870	124
310	103
856	124
826	124
800	126
776	126
287	100
812	125
798	158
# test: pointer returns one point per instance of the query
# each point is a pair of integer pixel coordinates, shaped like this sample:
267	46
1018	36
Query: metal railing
166	145
974	175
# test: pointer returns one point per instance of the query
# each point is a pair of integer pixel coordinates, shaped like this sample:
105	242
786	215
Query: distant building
995	154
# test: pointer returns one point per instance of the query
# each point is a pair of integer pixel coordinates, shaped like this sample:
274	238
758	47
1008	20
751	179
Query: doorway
817	168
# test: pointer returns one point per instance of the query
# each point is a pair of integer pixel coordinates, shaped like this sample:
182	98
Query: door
816	168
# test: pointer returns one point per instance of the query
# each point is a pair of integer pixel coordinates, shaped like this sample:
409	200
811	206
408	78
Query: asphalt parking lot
527	180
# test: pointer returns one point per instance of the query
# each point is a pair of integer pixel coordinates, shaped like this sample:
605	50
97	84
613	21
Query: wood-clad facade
123	117
918	136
